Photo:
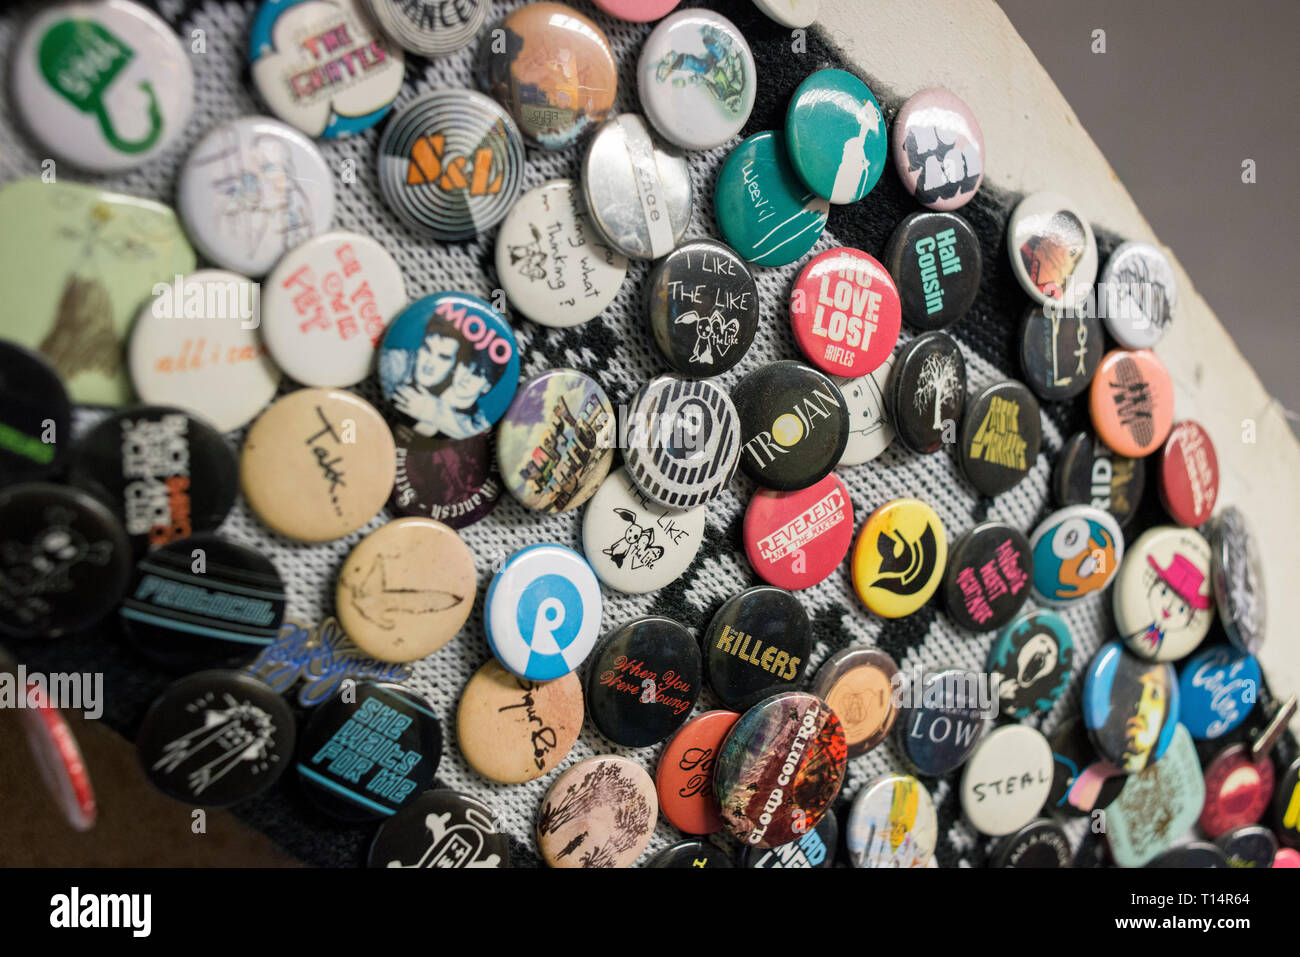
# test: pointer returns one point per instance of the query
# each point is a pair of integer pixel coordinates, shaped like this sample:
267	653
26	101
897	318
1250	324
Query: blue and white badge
543	612
1219	688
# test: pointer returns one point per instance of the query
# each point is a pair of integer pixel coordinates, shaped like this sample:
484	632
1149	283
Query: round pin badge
780	768
553	264
703	307
696	79
406	589
1033	659
790	13
1087	472
511	729
104	86
324	67
1189	474
1137	295
449	365
1076	551
1287	857
196	346
1286	803
938	149
637	11
1156	805
936	264
65	560
684	775
1131	402
166	474
1059	353
1238	789
600	812
1052	249
633	544
986	578
1195	854
1007	779
813	849
441	829
1163	606
318	464
326	306
251	190
1001	432
756	645
1237	570
203	602
1248	847
35	416
451	163
55	750
542	613
1218	687
1130	706
858	684
1038	844
764	211
941	719
844	309
794	425
555	443
643	680
691	854
836	136
796	539
366	755
870	431
926	392
452	481
683	441
1081	781
215	738
899	559
892	823
637	192
430	29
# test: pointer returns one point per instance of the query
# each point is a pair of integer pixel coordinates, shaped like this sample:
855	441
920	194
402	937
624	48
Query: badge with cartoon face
1076	552
1163	607
1033	658
1130	706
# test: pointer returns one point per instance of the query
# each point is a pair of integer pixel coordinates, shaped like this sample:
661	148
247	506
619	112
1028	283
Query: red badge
59	758
845	312
684	778
795	539
1237	791
1189	475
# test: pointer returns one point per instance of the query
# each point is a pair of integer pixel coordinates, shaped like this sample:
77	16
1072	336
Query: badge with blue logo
1219	688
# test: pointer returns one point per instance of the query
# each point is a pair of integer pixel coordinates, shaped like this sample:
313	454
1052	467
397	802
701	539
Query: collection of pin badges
148	487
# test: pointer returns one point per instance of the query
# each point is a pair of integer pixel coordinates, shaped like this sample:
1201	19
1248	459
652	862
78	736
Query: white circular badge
869	430
1052	249
251	190
790	13
1007	779
326	306
634	544
552	263
196	346
105	86
430	27
1163	598
1137	294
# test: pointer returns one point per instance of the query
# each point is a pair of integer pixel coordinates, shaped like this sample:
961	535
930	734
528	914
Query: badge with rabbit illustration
636	546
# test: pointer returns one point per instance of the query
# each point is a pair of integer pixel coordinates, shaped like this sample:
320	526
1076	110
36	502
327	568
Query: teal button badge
836	136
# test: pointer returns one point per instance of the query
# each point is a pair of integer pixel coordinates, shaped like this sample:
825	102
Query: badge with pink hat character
1162	597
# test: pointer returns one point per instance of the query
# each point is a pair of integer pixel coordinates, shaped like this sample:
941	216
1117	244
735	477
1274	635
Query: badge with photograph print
326	306
1130	706
780	768
836	136
543	611
1001	432
35	416
684	775
1237	791
926	392
442	829
1059	352
1052	249
553	264
215	738
449	364
450	164
858	684
870	431
430	28
251	190
1237	570
1007	779
453	481
938	149
696	79
323	66
601	812
900	557
845	312
796	539
65	560
633	544
936	263
643	681
1189	474
1081	781
1157	805
1219	687
986	578
812	849
700	854
942	717
1163	606
1076	552
892	823
323	657
794	425
105	86
1131	402
1087	472
1033	659
556	441
756	645
365	755
764	210
1039	843
1137	295
703	307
